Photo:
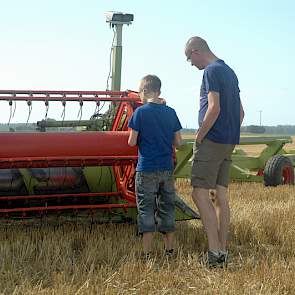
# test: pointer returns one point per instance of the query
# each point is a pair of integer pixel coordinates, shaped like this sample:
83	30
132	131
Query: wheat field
85	258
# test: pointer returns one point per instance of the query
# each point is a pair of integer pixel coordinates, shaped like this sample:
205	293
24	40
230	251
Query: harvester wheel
278	170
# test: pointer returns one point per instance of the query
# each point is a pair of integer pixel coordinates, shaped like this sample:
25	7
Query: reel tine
47	105
12	112
29	103
63	114
80	110
10	115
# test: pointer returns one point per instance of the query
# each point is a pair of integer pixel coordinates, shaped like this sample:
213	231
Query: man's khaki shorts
211	164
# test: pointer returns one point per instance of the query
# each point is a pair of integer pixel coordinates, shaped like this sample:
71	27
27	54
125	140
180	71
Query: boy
155	128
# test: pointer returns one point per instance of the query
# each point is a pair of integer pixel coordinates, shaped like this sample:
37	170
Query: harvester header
76	172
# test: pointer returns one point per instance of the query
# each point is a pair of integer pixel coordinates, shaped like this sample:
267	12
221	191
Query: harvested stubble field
80	258
251	150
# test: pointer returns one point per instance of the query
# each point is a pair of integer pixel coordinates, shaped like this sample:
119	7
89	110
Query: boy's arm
242	113
132	140
177	139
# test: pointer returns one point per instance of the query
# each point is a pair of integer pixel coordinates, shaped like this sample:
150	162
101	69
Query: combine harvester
89	170
75	173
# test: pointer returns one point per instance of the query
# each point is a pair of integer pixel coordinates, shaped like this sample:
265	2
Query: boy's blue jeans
155	198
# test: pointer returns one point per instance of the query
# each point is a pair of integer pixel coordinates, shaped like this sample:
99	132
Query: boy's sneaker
169	253
217	259
223	256
145	256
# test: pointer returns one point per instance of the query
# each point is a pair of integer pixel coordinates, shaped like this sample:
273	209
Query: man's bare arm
210	116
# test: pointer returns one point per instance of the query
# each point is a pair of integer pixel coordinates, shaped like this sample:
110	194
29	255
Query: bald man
220	117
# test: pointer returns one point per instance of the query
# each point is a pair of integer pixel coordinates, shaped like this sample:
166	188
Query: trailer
273	166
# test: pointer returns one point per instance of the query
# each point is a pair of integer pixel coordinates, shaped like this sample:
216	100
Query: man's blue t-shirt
156	125
219	77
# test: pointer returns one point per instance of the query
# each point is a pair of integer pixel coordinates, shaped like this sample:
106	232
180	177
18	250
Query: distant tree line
17	127
22	127
253	129
279	129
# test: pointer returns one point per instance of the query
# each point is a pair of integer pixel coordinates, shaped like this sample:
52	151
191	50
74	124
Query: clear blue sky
65	45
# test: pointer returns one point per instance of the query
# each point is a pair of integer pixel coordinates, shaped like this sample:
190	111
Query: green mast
116	21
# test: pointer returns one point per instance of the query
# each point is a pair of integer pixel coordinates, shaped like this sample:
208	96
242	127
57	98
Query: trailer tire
278	170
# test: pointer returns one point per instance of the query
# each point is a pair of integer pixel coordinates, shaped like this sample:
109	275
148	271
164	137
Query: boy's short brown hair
150	83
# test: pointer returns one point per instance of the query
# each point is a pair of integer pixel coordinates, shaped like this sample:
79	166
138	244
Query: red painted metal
124	112
50	95
98	144
71	149
49	162
287	175
80	195
69	207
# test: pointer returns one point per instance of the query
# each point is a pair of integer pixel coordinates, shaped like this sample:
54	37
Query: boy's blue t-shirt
156	125
219	77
